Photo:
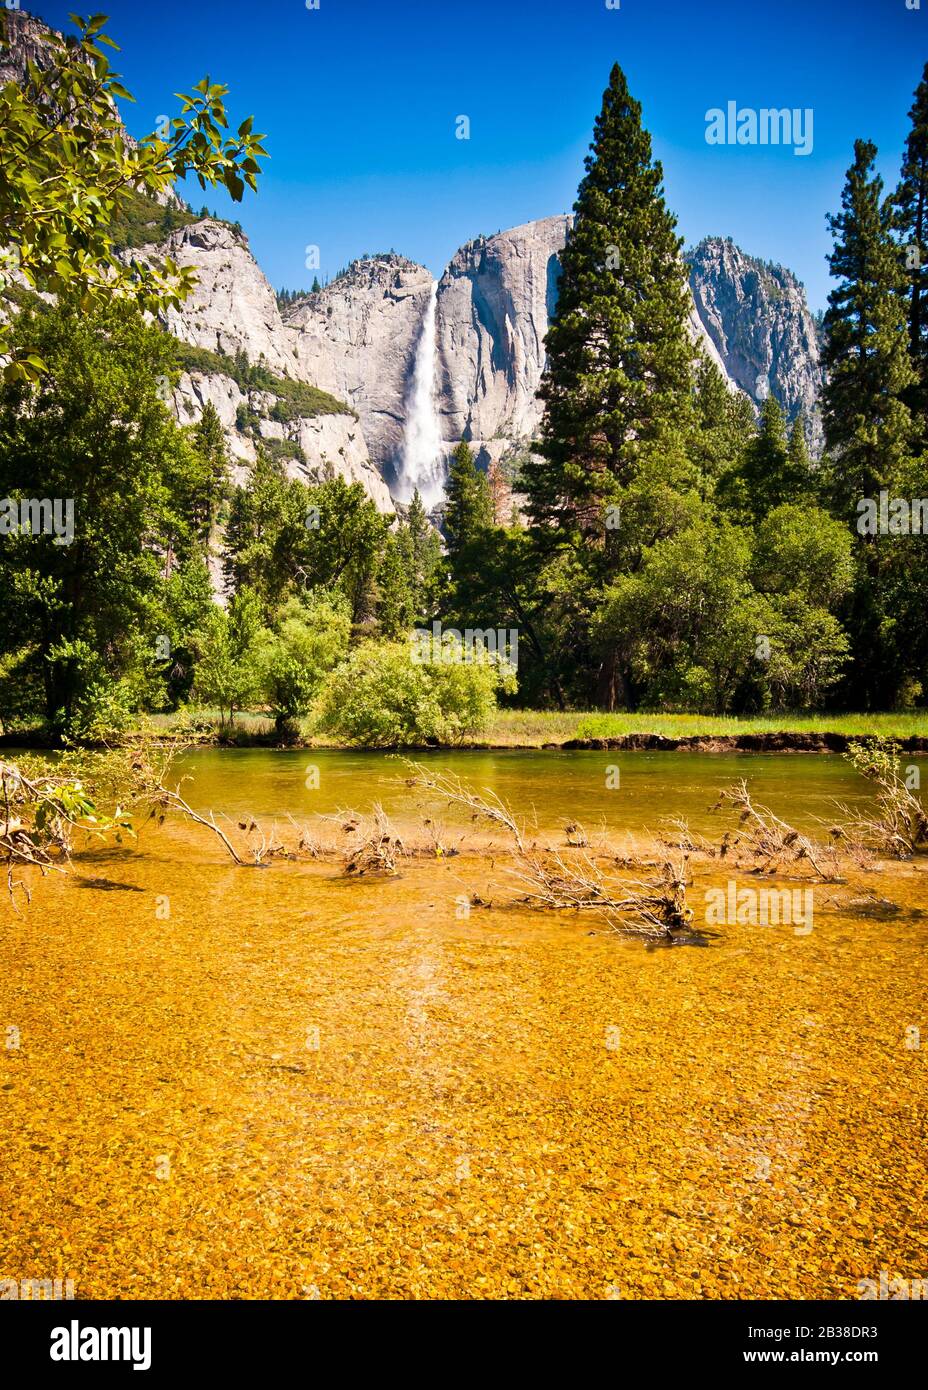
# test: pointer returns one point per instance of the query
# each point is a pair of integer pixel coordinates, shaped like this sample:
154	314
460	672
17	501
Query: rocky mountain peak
233	308
26	42
756	315
356	338
495	301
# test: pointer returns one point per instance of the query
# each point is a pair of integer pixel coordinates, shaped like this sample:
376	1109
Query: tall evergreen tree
619	359
209	440
911	202
775	466
421	554
611	472
711	451
868	428
395	607
765	458
725	427
799	461
468	506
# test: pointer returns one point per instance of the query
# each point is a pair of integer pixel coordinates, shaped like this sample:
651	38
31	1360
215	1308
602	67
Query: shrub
381	698
308	639
101	706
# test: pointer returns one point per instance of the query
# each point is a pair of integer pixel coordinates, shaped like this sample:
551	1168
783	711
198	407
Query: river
281	1082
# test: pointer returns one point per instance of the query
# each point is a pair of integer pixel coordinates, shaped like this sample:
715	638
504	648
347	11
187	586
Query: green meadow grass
518	728
707	725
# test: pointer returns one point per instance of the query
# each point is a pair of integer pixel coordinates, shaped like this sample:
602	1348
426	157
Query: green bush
382	698
101	707
308	638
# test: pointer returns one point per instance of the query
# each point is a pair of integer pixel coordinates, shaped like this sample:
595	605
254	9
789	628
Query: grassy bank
553	728
536	728
909	725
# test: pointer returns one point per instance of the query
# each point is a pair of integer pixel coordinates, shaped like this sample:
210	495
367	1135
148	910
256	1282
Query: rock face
321	446
497	295
27	43
757	317
357	339
494	303
233	308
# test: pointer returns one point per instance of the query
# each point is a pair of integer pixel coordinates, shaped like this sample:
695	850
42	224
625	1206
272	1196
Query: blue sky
359	101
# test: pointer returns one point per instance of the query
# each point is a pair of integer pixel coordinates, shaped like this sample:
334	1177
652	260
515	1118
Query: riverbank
576	729
528	729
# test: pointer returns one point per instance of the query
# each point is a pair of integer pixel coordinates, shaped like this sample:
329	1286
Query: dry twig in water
900	826
485	805
379	846
657	908
769	841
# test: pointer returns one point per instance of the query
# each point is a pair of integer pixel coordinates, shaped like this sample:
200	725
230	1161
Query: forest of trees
661	548
678	555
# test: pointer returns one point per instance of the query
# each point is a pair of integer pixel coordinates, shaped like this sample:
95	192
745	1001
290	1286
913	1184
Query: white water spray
422	465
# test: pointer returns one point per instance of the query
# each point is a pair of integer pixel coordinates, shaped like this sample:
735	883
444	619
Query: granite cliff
357	338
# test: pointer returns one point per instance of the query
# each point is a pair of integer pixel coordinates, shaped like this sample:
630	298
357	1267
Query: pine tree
775	468
800	465
911	203
715	448
611	469
421	552
394	595
468	506
168	222
868	428
619	359
209	440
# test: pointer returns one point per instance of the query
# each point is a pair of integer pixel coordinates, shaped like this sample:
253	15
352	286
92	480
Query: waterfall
422	465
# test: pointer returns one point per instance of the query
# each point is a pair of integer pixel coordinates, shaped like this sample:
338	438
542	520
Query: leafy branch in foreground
45	808
68	170
41	815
